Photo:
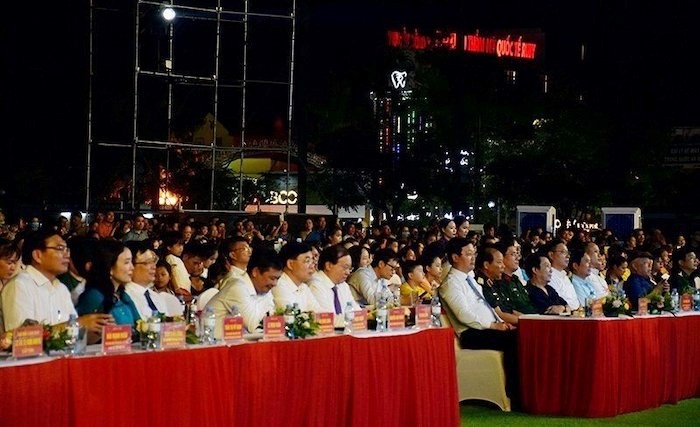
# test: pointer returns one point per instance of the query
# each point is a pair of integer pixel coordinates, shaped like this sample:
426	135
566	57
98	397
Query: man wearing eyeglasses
36	293
365	282
140	289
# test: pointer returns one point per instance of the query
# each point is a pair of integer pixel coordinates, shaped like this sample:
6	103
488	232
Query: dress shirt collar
322	279
39	278
458	274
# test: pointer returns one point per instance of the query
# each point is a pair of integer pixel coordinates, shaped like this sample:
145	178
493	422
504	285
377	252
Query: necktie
151	304
481	298
336	301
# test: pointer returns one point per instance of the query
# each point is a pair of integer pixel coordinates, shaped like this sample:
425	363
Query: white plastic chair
480	374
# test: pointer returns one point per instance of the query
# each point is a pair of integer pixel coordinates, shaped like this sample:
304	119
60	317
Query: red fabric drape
390	380
602	368
34	395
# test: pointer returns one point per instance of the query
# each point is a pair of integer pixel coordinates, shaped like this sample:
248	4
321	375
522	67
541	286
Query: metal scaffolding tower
232	60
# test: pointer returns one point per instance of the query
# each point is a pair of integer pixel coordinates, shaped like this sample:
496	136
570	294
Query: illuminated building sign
398	79
283	197
501	46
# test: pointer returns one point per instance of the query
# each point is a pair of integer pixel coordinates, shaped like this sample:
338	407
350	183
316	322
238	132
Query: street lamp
168	14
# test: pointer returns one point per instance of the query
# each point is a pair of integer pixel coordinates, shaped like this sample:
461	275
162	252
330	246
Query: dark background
639	72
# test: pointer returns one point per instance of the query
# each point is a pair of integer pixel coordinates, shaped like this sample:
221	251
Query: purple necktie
336	301
150	302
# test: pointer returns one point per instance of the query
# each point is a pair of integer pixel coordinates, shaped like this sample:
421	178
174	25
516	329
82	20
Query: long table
609	366
377	380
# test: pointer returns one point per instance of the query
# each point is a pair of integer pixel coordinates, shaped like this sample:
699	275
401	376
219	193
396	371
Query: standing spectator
106	226
77	226
139	232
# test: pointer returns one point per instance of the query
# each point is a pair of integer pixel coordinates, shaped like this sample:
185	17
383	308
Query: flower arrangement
615	303
659	302
55	337
299	324
149	334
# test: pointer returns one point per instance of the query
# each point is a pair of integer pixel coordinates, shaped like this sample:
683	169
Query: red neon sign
501	47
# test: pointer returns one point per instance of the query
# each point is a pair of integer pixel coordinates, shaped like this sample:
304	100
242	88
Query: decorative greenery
615	303
55	337
304	323
659	302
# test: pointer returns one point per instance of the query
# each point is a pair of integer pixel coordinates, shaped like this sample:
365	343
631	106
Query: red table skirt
602	368
390	380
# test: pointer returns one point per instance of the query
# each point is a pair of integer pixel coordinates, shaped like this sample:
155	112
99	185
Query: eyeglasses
153	260
393	266
61	248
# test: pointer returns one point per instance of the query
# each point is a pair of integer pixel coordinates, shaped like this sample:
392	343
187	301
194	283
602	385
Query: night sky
640	61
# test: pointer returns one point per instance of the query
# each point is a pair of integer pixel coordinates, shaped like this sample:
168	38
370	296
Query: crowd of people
109	271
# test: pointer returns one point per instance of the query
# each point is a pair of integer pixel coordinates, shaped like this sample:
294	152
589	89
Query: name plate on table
359	323
273	328
325	321
397	318
597	308
233	328
643	307
28	341
687	302
172	335
116	339
423	316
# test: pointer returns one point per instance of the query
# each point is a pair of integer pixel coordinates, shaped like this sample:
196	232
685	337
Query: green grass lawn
685	413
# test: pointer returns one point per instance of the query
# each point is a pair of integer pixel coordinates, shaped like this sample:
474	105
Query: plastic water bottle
154	330
382	313
73	329
396	297
696	299
435	311
289	321
208	326
193	321
234	311
348	317
675	299
589	304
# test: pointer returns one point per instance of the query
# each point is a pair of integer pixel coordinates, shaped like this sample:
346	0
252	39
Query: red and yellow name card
642	306
397	318
325	321
687	302
423	316
233	328
28	341
273	328
116	339
597	308
172	335
359	322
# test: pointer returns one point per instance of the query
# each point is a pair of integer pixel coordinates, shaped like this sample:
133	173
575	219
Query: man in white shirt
298	266
140	288
593	251
328	283
237	252
365	282
36	293
473	319
251	293
558	255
